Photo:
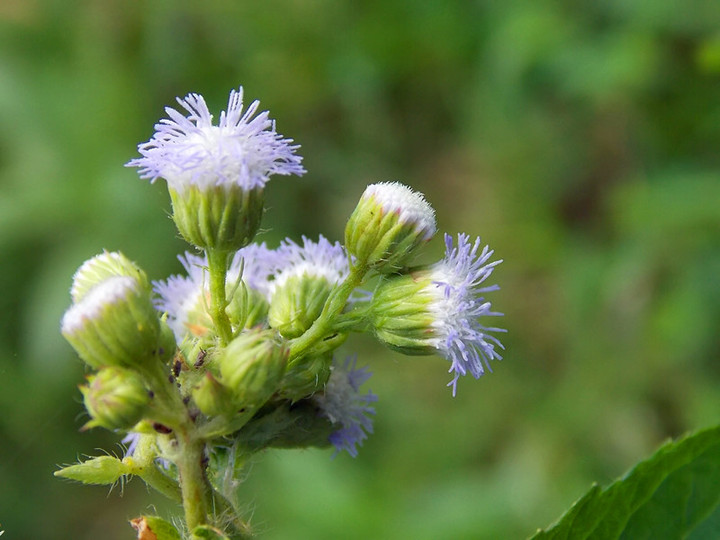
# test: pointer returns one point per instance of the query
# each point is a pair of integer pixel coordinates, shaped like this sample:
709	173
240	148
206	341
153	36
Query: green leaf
673	494
154	528
99	470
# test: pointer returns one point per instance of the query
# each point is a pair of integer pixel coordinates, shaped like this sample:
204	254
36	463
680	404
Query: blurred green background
579	139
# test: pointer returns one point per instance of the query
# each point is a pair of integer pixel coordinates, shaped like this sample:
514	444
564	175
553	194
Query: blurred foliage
579	138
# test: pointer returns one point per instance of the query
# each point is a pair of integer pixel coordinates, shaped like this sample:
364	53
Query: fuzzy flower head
439	309
304	277
243	149
216	174
460	305
185	298
322	259
345	407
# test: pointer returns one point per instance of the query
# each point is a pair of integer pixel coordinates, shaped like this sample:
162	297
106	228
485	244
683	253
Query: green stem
194	485
188	454
333	307
355	320
142	464
217	266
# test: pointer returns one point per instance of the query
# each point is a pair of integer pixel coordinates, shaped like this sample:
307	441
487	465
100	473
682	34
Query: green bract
400	315
224	217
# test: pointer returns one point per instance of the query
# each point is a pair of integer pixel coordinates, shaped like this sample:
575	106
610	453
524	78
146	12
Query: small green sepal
212	397
306	376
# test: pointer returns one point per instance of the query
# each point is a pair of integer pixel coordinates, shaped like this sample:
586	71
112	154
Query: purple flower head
344	406
459	306
184	297
319	258
243	149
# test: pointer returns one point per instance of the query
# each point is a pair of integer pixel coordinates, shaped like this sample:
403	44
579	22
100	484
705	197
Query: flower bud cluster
114	328
238	353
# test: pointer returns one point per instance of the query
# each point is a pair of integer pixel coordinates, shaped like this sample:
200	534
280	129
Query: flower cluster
239	353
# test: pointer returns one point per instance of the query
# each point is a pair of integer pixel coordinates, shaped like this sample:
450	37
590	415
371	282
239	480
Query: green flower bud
387	226
252	366
306	376
212	397
116	398
401	313
224	217
297	302
114	324
101	267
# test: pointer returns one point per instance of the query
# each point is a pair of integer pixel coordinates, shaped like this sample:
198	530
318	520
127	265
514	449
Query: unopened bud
252	366
297	302
388	224
306	376
101	267
114	324
306	276
116	398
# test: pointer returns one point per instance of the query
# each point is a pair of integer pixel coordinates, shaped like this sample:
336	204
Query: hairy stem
142	464
194	485
217	266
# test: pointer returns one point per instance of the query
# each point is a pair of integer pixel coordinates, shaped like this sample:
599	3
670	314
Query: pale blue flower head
345	407
459	306
243	149
318	259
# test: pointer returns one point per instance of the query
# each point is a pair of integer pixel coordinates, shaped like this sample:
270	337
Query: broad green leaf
673	494
154	528
98	470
